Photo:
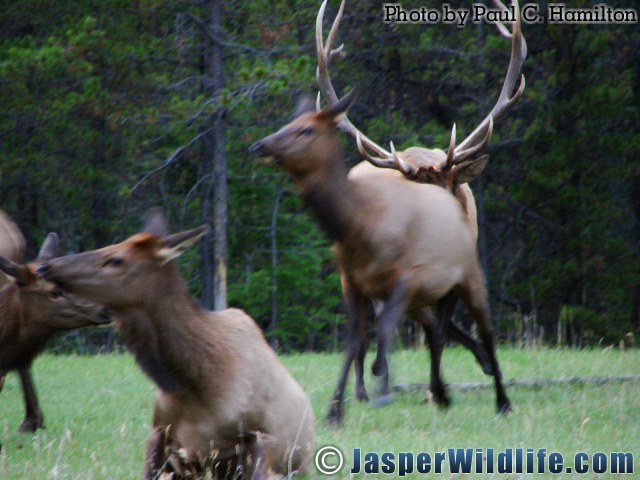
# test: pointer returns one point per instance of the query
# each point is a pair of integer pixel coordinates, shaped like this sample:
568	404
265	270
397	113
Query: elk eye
306	131
113	262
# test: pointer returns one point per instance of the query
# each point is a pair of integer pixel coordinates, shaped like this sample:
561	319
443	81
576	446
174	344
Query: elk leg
457	334
336	410
474	295
434	332
355	349
358	310
33	415
155	456
263	453
394	307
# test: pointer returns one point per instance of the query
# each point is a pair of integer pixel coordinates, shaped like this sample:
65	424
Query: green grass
98	409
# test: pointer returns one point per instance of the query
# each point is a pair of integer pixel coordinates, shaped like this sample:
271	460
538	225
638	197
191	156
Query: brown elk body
401	242
451	170
222	392
32	310
432	327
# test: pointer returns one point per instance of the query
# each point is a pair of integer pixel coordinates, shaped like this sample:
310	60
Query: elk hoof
30	425
335	415
439	396
504	407
362	396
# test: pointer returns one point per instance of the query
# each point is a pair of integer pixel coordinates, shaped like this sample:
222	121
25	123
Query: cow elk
32	310
224	400
410	244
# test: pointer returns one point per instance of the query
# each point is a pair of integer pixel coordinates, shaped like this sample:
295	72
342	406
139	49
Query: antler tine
328	50
387	162
452	147
324	54
518	55
479	138
461	155
398	162
504	31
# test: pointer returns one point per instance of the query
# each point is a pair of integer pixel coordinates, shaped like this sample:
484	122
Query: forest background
112	107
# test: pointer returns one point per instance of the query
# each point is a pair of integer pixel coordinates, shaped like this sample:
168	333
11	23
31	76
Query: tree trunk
635	192
214	164
478	186
273	325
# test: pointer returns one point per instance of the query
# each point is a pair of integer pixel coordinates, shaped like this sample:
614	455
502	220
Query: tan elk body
222	391
452	171
417	156
32	310
401	242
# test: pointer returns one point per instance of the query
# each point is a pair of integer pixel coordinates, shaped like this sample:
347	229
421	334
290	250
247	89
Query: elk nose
256	148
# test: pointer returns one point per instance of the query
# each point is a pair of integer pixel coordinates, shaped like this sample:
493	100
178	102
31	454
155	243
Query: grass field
97	412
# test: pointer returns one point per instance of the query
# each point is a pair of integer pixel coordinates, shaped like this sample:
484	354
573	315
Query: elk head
127	274
46	306
450	169
290	148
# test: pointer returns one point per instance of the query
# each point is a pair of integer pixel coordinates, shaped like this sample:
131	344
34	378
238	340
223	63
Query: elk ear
14	270
469	170
12	242
50	247
156	223
176	244
305	105
338	110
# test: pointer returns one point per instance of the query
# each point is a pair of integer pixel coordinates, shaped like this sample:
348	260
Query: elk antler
474	143
482	134
325	53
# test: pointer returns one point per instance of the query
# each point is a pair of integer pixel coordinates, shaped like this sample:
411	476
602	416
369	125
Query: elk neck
332	198
170	336
18	343
174	339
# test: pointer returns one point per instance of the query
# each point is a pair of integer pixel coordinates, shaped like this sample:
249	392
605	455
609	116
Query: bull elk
450	170
222	394
32	310
402	242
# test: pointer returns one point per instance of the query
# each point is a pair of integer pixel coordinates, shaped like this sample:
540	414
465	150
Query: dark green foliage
103	105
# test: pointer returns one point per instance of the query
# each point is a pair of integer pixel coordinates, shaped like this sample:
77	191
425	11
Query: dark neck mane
331	199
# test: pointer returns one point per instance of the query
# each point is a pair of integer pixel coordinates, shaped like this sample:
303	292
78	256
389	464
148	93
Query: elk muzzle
263	155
